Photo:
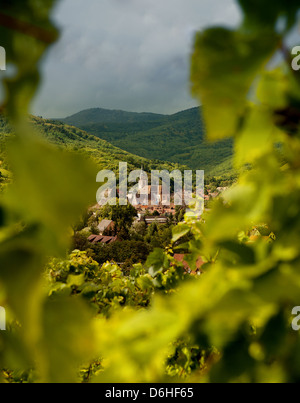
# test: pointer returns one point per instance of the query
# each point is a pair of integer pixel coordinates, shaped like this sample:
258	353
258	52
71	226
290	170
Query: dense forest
178	138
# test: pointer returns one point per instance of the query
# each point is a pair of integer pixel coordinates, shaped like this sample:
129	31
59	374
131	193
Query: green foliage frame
241	307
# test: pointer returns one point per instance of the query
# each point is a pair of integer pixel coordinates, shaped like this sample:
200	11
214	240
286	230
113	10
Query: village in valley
126	234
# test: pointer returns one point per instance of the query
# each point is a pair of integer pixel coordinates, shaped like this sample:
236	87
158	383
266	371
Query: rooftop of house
102	239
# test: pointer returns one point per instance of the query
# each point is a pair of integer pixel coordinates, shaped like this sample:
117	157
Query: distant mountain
178	138
98	115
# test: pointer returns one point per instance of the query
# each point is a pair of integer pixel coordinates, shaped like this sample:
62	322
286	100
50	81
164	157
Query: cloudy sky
125	54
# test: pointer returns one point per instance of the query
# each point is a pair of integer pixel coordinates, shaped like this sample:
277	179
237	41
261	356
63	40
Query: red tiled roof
92	237
180	258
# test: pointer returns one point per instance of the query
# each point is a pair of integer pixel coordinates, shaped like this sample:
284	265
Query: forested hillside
67	137
177	138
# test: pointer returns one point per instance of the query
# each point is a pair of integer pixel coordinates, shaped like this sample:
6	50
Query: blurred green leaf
224	65
49	188
157	261
68	339
260	14
179	231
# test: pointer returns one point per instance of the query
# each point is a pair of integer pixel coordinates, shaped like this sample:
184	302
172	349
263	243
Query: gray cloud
125	54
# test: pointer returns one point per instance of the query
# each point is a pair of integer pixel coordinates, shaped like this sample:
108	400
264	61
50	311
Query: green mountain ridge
178	138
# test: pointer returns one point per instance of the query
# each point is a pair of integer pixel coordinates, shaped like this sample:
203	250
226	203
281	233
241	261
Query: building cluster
151	199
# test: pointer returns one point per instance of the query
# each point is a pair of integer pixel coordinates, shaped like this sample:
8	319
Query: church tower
143	182
143	188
